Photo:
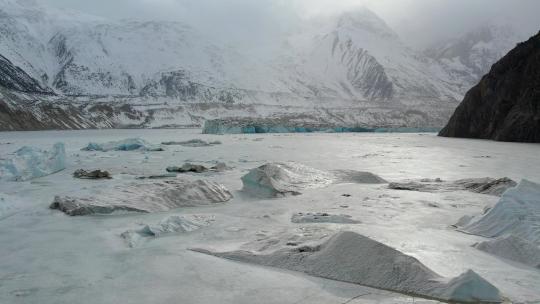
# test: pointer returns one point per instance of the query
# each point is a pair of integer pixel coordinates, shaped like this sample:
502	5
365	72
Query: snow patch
354	258
146	197
129	144
30	162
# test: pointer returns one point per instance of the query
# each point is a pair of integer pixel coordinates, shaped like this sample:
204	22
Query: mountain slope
469	57
351	61
505	104
14	78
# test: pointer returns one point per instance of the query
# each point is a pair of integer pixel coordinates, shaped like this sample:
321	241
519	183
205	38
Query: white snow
328	64
516	213
30	162
145	197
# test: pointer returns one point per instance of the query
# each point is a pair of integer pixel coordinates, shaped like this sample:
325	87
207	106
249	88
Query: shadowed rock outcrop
505	105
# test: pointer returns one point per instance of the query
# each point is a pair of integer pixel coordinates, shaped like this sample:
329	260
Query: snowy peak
471	55
364	20
353	57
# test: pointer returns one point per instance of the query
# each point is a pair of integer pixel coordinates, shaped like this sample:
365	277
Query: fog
419	22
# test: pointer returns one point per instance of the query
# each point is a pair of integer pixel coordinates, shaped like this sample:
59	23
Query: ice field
146	256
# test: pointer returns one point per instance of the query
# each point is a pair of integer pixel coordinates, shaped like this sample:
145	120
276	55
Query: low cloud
418	22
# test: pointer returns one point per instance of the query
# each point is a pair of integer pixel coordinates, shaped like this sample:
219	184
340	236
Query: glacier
282	125
31	162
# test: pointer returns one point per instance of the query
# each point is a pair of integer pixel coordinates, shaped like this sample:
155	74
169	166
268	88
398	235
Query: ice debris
95	174
517	212
31	162
169	225
187	167
192	143
322	217
129	144
353	258
357	177
512	248
145	197
282	179
158	176
485	185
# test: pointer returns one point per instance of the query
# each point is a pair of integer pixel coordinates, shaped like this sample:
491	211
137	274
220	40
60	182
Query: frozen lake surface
50	257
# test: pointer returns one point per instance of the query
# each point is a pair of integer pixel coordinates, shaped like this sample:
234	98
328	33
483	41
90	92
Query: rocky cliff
505	105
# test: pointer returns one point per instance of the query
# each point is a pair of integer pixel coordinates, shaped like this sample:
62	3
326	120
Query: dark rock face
14	78
505	105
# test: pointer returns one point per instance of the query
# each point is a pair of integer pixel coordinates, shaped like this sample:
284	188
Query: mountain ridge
353	61
504	105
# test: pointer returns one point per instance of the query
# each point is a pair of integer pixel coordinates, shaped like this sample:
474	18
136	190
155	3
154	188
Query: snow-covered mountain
155	67
470	56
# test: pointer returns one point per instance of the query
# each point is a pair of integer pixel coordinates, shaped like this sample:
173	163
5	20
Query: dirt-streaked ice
322	217
354	258
282	179
512	248
146	197
485	185
517	213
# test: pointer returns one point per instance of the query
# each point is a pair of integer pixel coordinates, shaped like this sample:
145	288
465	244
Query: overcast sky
418	22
